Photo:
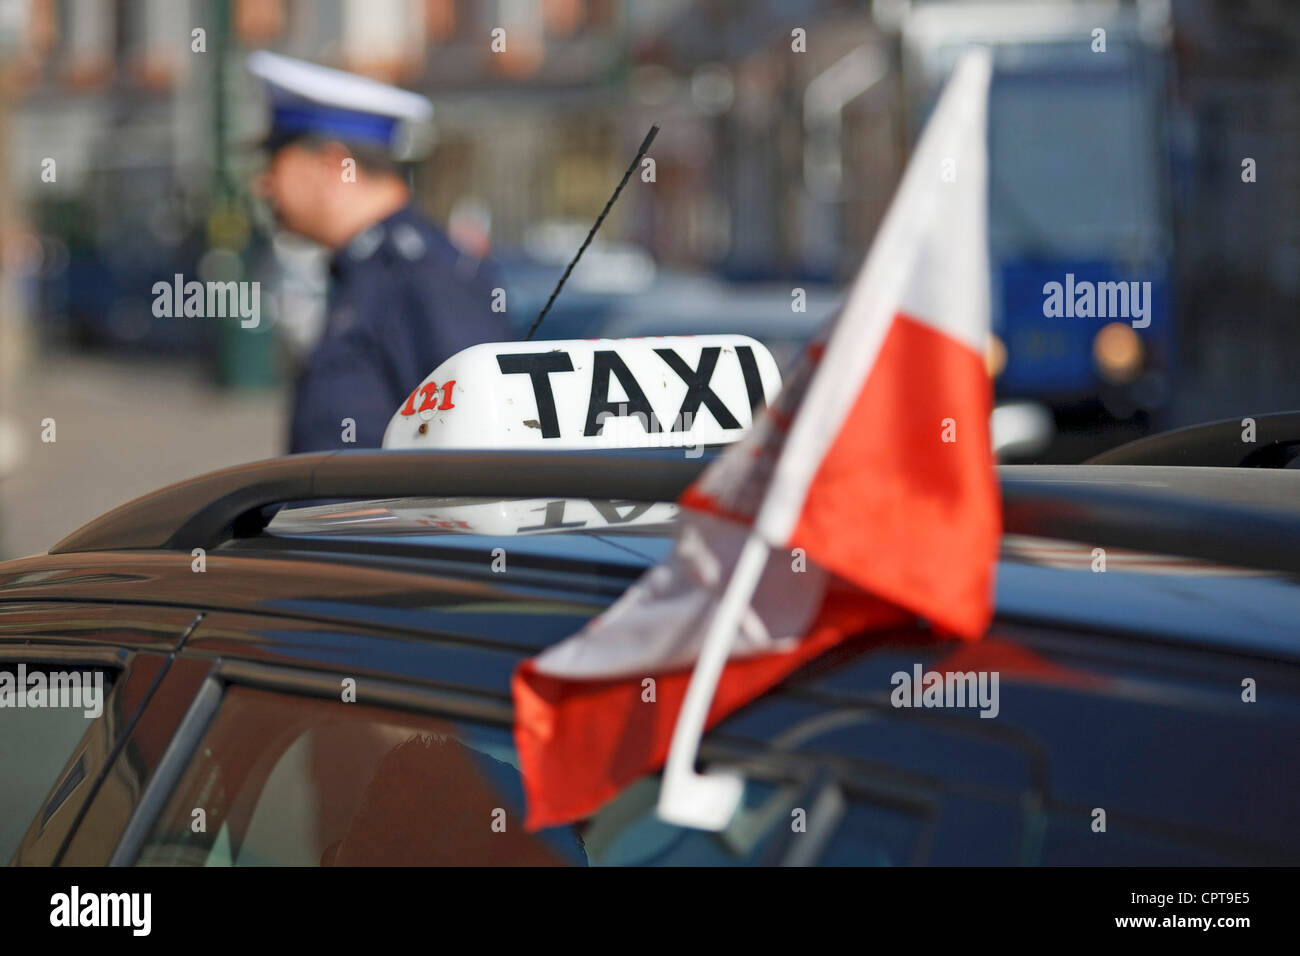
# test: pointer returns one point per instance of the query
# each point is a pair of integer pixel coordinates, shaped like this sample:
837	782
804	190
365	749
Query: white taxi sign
659	392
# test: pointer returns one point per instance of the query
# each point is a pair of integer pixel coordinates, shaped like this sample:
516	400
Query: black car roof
1209	519
1254	513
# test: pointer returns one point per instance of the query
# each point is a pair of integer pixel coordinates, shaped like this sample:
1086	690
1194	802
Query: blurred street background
1168	155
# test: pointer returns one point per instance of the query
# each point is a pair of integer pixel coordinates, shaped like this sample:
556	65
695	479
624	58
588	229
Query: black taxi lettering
698	391
553	520
609	510
603	363
538	366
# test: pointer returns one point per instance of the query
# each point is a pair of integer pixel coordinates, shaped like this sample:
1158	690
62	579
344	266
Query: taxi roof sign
660	392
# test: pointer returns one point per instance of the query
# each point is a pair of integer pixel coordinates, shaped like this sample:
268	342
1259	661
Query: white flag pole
687	798
708	801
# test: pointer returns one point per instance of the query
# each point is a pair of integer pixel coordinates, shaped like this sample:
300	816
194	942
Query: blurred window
36	742
292	781
1074	157
313	28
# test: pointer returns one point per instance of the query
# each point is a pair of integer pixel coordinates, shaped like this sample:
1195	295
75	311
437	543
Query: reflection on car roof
497	517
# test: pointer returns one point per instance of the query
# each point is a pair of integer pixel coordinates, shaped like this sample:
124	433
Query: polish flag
866	496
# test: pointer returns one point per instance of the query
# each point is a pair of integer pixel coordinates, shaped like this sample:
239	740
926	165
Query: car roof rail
1249	518
1221	515
1275	442
205	511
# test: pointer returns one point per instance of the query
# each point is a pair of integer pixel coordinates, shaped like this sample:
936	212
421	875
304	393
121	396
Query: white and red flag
865	496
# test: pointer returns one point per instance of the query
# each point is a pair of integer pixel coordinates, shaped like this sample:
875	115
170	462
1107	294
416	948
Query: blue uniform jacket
402	299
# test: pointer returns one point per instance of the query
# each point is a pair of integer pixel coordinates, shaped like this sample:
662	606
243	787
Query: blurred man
402	298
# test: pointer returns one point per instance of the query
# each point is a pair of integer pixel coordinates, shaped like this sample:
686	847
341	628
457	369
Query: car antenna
645	145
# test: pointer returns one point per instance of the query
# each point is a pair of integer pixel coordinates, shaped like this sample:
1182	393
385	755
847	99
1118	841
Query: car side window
279	779
298	781
45	711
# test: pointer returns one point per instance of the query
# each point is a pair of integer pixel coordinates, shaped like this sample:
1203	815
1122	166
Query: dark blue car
328	684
